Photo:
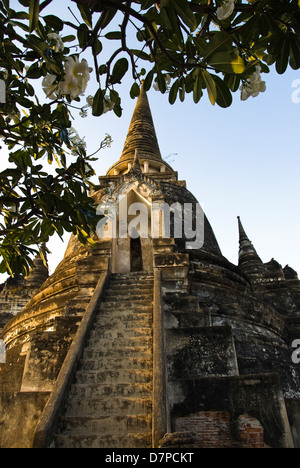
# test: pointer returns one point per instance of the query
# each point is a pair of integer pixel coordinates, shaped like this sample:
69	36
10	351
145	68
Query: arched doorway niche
132	248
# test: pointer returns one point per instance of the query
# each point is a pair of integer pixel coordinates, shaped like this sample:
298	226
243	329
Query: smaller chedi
16	292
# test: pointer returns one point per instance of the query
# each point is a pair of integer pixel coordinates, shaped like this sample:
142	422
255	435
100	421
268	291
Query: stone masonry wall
215	429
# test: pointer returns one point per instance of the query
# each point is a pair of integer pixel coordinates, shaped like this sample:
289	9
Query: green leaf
183	10
113	35
148	80
294	52
83	35
233	82
97	48
45	4
34	71
197	88
173	92
135	91
220	42
119	70
210	85
229	62
224	97
117	110
54	22
161	82
98	105
201	45
283	59
147	4
86	14
107	17
103	69
182	90
20	25
141	54
69	38
170	19
34	12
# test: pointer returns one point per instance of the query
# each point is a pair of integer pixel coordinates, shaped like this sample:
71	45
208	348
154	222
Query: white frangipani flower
76	78
51	89
90	101
167	80
226	10
79	144
58	45
253	85
107	140
4	73
77	75
155	86
108	105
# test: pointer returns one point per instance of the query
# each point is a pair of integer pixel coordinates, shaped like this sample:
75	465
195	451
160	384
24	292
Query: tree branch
99	5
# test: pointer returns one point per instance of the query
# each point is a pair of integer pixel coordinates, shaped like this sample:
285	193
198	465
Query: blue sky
243	161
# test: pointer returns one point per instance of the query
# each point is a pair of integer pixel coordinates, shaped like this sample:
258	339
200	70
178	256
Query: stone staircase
110	401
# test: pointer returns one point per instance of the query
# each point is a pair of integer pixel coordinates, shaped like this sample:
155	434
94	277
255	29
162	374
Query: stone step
129	277
131	280
139	282
114	376
127	296
110	424
141	353
79	302
126	324
111	390
127	303
134	351
143	287
137	316
104	441
114	333
78	305
127	287
114	309
97	342
140	275
123	312
116	363
123	287
103	406
141	318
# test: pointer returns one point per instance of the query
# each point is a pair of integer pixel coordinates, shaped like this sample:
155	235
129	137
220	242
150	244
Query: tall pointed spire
141	135
242	234
39	273
249	260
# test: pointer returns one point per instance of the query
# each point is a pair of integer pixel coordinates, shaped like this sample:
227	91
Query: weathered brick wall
215	429
249	432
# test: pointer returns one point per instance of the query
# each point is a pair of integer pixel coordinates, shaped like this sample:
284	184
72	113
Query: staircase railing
50	416
160	408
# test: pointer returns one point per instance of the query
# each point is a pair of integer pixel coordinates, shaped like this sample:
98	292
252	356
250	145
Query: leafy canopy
179	46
